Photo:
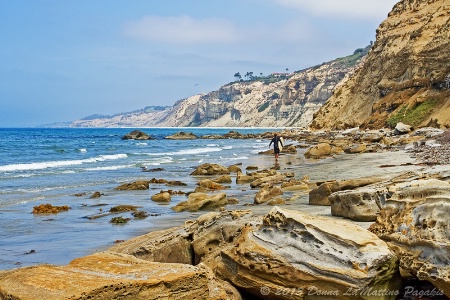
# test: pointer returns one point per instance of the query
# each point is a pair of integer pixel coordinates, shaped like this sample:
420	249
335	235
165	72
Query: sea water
39	166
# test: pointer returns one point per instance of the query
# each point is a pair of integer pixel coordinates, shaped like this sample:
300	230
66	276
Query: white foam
59	163
141	144
82	150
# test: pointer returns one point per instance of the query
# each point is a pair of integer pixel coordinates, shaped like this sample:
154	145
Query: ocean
39	166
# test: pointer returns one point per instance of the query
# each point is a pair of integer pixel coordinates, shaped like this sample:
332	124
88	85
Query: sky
63	60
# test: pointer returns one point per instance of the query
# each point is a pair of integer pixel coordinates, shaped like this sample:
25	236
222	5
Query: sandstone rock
303	253
199	201
95	195
244	178
210	169
276	201
401	128
268	180
181	136
234	169
137	185
216	231
356	148
415	225
319	195
318	151
137	135
357	205
171	245
267	193
210	185
162	197
108	275
223	179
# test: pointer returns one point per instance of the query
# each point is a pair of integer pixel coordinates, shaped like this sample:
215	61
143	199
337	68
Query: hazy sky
62	60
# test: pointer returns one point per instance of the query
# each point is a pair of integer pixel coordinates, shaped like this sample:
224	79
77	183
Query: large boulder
358	205
161	197
198	201
211	169
268	180
305	255
136	185
320	194
267	193
108	275
318	151
415	225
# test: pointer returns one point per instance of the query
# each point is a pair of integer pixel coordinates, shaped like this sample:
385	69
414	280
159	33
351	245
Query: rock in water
303	254
137	135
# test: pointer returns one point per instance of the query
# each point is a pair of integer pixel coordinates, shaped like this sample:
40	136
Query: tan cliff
287	100
405	77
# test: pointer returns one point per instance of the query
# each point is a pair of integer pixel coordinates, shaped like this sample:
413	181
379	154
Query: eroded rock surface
296	251
415	224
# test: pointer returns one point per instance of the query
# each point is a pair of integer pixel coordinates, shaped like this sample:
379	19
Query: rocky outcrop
414	223
358	205
405	77
295	252
181	136
108	275
211	169
198	201
137	135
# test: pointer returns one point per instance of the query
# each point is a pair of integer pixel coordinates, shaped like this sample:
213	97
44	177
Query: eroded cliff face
291	101
406	76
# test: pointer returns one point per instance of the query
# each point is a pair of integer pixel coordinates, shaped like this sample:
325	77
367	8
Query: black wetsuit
275	141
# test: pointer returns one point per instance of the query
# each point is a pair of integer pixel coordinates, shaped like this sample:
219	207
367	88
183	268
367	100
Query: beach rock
223	179
267	193
95	195
244	178
171	245
49	209
197	201
175	183
294	185
108	275
414	223
234	169
402	128
218	230
357	205
373	136
136	185
210	185
304	254
318	151
289	149
137	135
268	180
276	201
211	169
319	195
162	197
181	136
356	148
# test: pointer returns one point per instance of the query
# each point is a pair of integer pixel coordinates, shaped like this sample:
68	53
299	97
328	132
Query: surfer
277	145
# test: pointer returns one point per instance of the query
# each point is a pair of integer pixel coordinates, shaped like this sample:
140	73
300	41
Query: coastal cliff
274	100
405	77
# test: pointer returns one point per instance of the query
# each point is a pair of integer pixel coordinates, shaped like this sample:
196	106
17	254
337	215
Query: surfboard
280	143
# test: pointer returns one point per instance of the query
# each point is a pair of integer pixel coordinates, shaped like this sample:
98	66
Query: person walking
277	142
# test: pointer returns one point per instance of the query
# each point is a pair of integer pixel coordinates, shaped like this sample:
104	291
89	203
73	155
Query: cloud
357	9
181	30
